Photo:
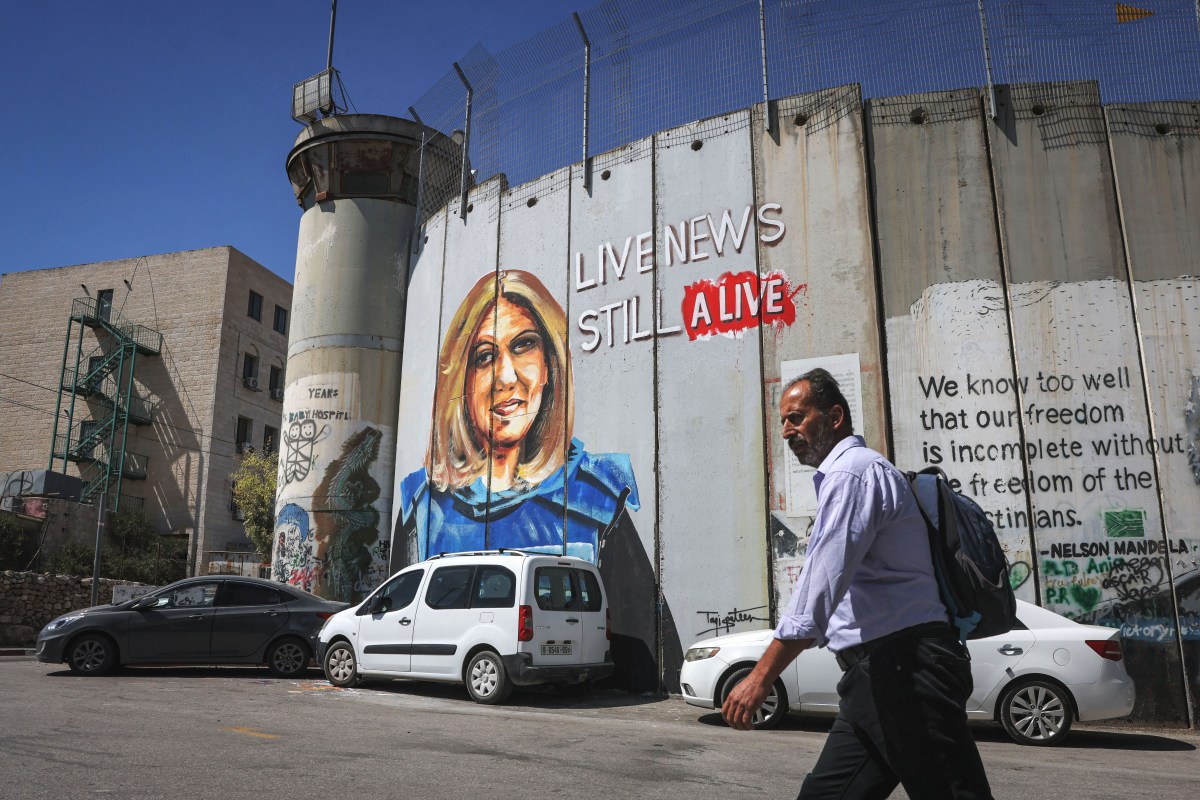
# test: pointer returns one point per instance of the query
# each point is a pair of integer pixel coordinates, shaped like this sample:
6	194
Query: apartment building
146	378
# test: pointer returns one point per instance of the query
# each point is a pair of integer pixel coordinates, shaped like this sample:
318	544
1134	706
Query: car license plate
556	649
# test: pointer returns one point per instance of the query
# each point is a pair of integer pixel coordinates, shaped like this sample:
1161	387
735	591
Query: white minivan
490	619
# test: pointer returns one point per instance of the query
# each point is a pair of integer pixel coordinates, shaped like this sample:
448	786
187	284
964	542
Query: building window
86	430
281	320
276	379
104	299
254	309
249	366
270	439
244	429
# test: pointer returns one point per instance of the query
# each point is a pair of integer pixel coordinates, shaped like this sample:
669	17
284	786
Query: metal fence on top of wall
626	69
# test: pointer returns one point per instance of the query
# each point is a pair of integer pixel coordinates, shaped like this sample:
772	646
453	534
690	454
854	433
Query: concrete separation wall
1014	299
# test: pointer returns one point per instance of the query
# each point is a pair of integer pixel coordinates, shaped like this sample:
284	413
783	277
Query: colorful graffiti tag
293	557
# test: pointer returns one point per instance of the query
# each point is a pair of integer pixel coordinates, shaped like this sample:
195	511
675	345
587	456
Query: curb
16	651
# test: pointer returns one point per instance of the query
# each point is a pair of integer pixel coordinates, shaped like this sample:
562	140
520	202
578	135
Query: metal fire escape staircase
103	379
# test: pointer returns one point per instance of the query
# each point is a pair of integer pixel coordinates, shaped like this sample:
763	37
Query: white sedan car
1035	680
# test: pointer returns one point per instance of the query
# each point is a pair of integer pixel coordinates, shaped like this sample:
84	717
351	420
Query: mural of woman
503	469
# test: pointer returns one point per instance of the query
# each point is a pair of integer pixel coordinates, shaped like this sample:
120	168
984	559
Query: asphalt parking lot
226	733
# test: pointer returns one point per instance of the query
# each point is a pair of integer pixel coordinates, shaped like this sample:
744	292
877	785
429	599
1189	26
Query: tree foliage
254	493
12	540
135	552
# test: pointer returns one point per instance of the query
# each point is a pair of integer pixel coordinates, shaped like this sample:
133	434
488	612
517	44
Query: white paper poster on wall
801	494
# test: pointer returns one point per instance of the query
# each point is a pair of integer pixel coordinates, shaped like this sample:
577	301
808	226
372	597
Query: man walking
869	594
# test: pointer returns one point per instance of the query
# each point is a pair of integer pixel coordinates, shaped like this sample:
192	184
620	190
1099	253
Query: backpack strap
937	552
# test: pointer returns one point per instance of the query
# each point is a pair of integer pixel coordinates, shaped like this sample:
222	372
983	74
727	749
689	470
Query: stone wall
28	600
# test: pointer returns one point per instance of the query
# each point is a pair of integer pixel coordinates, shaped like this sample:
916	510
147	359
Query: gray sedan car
213	619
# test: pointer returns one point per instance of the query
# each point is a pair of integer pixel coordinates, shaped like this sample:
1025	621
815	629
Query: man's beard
812	452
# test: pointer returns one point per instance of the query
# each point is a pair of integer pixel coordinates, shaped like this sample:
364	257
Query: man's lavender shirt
868	571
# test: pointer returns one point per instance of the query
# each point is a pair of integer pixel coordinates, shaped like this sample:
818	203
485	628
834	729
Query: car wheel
92	654
287	658
487	680
341	667
773	709
1036	712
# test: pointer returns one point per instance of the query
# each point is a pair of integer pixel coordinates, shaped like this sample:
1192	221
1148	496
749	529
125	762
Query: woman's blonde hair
458	452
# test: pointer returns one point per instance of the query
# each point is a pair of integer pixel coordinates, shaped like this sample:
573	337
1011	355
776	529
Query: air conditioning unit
251	383
245	446
238	514
277	394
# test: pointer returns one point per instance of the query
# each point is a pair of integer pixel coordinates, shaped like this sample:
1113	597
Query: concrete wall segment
813	166
930	163
613	376
1156	159
945	313
1051	159
1078	356
422	337
711	509
472	250
534	238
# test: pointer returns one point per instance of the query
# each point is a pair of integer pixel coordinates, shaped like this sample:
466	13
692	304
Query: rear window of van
589	590
566	589
554	588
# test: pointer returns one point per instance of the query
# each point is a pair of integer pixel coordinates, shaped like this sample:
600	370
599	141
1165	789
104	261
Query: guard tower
357	178
96	391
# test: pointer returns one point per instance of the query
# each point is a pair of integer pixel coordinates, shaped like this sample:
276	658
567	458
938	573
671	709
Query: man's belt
850	656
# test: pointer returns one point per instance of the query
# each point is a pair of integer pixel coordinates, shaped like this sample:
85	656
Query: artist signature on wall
724	622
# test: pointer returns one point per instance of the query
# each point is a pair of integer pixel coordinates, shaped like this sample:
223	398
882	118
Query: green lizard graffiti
346	521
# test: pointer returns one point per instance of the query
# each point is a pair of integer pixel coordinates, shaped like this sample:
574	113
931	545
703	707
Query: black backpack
970	565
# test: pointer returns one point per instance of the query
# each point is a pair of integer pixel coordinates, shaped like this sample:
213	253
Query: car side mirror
145	601
379	605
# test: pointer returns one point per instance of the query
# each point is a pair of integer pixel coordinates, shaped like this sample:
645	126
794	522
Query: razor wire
624	70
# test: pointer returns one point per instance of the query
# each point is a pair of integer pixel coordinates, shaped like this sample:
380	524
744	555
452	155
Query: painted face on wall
506	375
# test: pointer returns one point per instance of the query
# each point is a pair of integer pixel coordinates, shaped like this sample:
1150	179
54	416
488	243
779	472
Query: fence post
762	42
462	204
987	59
96	553
587	96
420	181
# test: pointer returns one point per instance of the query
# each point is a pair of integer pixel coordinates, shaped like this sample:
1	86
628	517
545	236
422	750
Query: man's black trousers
902	720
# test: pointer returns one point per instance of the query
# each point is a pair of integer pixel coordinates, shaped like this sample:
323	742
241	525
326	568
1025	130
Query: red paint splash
738	301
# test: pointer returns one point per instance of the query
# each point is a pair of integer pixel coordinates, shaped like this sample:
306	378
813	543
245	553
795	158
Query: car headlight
700	653
63	622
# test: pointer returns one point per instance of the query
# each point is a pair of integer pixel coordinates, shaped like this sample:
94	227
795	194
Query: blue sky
147	127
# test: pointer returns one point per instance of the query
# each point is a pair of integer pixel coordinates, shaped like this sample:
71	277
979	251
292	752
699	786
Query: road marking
251	732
